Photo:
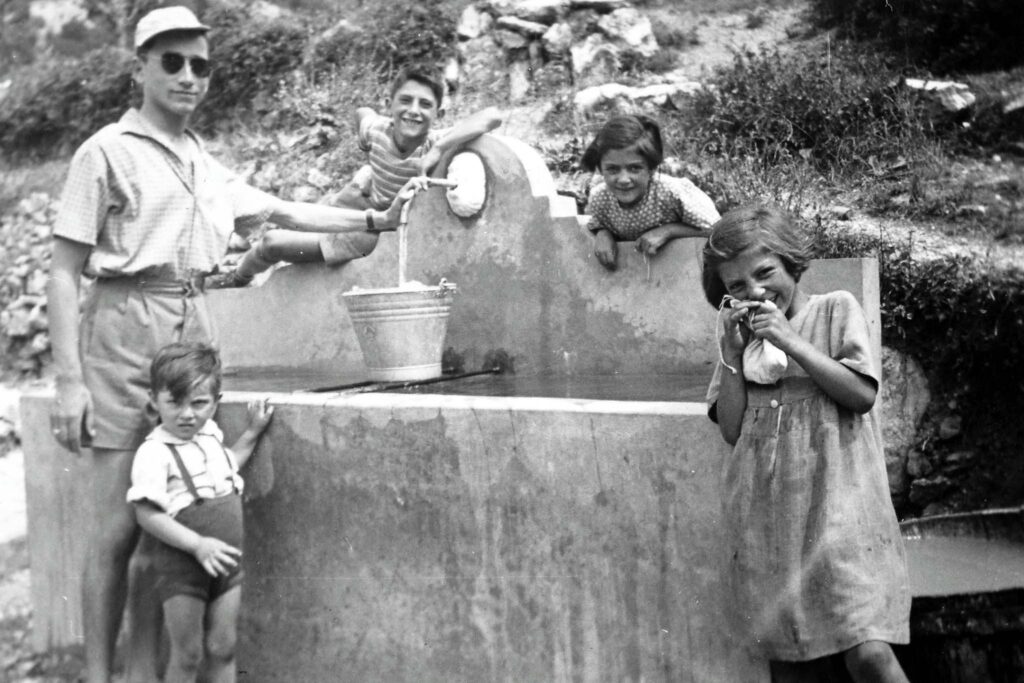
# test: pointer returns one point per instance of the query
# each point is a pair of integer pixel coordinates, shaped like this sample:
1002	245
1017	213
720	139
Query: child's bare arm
654	239
732	391
849	389
467	129
216	556
260	412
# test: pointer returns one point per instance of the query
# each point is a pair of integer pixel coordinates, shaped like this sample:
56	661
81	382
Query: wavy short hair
621	132
181	366
749	225
421	73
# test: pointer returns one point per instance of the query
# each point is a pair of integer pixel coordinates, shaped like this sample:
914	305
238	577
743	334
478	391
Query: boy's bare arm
468	129
471	127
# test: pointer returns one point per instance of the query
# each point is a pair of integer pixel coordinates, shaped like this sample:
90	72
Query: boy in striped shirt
398	146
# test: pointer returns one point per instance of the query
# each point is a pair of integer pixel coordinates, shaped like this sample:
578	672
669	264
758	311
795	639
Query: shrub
408	31
963	319
836	110
250	56
943	35
59	104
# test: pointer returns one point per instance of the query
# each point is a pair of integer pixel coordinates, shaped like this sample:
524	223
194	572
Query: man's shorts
124	324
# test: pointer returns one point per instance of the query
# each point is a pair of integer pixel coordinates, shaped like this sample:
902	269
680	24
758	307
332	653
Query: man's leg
144	625
111	537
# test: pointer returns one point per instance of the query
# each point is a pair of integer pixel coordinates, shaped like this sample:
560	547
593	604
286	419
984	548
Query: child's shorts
343	247
178	572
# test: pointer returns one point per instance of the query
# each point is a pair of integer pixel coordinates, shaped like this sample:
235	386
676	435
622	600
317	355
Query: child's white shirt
156	477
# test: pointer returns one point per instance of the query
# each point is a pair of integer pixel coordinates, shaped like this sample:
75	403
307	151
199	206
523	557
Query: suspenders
188	477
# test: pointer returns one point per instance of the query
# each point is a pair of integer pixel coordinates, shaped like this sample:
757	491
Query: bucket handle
446	286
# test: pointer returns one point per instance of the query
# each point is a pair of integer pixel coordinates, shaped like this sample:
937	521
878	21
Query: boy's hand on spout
216	556
393	216
605	248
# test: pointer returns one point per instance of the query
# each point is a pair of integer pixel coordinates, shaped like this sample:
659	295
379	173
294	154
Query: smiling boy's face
413	110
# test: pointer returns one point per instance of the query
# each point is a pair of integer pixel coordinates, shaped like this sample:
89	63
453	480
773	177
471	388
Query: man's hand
393	216
606	250
71	417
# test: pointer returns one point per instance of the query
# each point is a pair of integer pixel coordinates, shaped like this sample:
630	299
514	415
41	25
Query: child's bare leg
278	245
350	196
222	636
874	662
183	615
111	537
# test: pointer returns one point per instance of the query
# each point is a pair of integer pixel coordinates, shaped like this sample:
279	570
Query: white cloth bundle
763	362
467	197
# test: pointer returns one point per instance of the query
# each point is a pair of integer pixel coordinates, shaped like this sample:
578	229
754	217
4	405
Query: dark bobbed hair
181	366
621	132
421	73
144	49
753	224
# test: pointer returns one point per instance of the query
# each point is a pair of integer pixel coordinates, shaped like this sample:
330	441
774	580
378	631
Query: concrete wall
443	538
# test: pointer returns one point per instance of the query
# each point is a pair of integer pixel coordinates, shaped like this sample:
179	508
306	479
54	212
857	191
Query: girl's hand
393	216
651	241
768	322
216	556
605	248
260	411
736	333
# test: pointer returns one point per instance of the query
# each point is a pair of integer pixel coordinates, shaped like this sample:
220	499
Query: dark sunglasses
172	63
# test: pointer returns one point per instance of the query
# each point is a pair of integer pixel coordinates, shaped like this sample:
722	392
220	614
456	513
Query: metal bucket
401	330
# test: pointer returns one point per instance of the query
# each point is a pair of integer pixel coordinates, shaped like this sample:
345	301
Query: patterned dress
815	557
668	200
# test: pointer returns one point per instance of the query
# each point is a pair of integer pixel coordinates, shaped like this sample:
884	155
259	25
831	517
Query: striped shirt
140	206
668	200
391	169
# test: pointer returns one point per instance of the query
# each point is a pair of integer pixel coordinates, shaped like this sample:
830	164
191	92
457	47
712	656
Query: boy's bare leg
184	617
278	245
111	538
222	636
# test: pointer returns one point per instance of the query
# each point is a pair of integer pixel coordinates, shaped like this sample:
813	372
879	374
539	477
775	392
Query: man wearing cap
145	214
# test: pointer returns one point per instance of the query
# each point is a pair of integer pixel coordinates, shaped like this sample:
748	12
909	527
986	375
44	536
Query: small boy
186	492
398	147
